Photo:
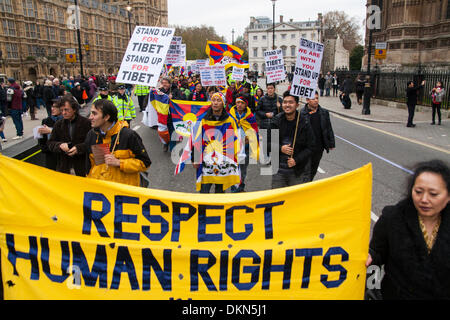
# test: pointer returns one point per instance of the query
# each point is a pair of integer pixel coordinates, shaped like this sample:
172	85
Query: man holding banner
296	142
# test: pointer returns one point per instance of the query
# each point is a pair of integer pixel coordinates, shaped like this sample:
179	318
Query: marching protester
14	100
217	165
199	94
116	153
411	238
411	100
268	107
295	145
45	130
124	105
248	137
67	138
437	96
258	95
328	83
321	84
141	92
38	93
319	118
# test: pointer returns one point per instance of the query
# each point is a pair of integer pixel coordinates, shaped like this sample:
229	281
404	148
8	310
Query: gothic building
34	34
417	33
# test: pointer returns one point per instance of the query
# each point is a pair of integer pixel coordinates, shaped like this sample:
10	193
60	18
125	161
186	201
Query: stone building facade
34	34
335	56
287	37
417	33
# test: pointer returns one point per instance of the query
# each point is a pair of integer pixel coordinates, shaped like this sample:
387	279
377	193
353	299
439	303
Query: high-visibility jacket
141	90
253	90
100	97
125	109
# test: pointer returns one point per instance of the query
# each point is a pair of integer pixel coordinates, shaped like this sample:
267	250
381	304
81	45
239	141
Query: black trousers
411	109
315	161
436	107
141	102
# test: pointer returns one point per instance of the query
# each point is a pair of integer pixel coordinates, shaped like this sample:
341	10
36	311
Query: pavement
382	118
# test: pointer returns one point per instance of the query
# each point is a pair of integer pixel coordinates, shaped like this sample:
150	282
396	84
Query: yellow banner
67	237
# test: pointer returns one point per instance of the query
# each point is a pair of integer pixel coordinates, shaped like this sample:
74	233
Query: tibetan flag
160	103
218	160
225	54
187	114
182	71
247	124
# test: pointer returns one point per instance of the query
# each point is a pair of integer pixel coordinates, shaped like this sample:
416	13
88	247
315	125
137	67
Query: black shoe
432	123
165	147
439	123
410	125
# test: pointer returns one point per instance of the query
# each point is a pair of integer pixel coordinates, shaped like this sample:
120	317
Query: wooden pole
296	129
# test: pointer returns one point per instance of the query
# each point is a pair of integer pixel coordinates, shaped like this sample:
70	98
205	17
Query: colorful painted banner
68	237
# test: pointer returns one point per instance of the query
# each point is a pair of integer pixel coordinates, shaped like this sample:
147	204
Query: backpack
9	94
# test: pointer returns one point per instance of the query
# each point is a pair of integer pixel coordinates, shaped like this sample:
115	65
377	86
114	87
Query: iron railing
392	85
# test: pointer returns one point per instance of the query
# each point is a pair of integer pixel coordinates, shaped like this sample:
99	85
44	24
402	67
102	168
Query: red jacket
16	102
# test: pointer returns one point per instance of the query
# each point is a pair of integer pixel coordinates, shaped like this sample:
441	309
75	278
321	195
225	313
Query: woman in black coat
48	96
412	238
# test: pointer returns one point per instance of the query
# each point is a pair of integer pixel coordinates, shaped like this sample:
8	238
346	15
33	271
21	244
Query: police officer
103	94
124	105
141	92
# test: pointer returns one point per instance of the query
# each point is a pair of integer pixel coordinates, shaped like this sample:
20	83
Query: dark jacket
48	96
411	94
2	96
199	96
38	91
304	144
347	86
325	124
49	122
268	104
60	134
78	94
398	243
16	102
321	83
31	98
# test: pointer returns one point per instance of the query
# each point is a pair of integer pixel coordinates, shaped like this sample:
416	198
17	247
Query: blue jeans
39	103
16	116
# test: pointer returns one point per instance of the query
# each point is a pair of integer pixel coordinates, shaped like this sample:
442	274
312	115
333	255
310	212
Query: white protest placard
174	51
181	61
238	74
307	68
213	76
274	65
145	55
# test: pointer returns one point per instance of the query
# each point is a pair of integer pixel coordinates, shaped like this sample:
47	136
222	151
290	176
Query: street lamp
129	19
273	25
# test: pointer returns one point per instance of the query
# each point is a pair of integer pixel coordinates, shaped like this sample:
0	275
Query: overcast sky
228	14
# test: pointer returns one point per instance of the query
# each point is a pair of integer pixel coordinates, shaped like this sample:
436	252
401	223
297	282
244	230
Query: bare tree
338	23
195	39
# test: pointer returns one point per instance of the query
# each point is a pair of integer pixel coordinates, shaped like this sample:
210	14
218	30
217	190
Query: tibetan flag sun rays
225	54
186	114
